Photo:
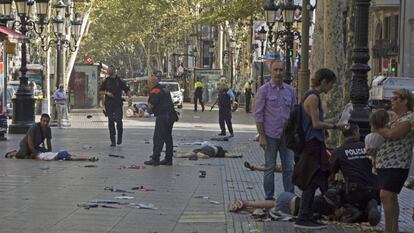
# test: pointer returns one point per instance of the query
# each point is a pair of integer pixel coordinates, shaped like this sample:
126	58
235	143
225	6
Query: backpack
293	135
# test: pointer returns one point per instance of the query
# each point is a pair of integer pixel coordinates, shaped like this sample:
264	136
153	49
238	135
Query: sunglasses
394	98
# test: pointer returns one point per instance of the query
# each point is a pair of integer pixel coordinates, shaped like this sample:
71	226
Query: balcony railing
385	48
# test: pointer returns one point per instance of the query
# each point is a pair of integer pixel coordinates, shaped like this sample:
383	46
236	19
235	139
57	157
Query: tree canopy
130	30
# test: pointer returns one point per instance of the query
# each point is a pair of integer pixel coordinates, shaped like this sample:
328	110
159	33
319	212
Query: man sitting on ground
33	143
362	185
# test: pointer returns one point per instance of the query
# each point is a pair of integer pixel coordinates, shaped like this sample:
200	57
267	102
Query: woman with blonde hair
394	156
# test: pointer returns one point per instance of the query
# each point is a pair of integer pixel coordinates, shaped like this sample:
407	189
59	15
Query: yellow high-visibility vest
247	85
198	84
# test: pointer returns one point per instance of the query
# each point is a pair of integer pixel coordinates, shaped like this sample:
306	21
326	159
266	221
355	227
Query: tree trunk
349	47
334	60
317	54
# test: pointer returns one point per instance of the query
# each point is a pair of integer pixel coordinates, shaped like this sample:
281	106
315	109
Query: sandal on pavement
237	205
248	165
93	159
8	154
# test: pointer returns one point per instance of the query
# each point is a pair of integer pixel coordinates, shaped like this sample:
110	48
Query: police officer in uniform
248	93
112	88
162	106
224	101
362	187
198	95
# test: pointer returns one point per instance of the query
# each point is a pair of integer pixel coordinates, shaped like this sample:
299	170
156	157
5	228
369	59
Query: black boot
167	162
119	141
222	134
374	214
152	162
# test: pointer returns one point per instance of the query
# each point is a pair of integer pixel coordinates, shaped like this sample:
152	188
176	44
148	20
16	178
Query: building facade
407	38
383	38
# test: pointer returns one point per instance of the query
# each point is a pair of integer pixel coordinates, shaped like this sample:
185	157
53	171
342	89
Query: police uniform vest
198	88
165	104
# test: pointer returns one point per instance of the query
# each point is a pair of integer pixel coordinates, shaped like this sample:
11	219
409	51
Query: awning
11	35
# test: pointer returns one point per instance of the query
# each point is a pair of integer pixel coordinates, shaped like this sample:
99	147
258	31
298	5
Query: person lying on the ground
139	110
328	206
33	142
60	155
252	167
209	151
288	203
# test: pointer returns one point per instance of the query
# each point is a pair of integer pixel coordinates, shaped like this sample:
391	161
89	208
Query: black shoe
310	225
231	135
374	214
221	134
119	142
166	162
152	162
248	166
113	144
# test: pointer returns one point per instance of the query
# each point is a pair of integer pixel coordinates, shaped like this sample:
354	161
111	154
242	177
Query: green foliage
132	30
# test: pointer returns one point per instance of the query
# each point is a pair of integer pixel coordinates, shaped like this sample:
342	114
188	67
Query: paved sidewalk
38	196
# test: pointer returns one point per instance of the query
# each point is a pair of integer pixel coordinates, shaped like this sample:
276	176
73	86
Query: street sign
89	60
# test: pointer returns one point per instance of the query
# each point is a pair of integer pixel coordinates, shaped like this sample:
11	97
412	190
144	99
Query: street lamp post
24	103
359	92
60	42
262	37
286	36
231	56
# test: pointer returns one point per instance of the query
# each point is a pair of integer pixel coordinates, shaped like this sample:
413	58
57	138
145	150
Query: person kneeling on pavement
362	187
33	142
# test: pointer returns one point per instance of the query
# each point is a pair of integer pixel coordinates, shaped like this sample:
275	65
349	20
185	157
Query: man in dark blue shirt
33	142
162	106
112	88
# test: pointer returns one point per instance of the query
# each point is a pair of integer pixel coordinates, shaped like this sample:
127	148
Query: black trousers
248	99
198	98
319	180
163	135
114	113
225	117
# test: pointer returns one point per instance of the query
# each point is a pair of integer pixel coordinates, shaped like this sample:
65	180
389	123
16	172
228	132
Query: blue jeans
274	146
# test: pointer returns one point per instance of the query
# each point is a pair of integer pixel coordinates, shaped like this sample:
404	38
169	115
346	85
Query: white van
175	90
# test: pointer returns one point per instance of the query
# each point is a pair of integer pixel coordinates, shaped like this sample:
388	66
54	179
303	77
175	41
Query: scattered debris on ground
133	166
112	189
117	156
142	188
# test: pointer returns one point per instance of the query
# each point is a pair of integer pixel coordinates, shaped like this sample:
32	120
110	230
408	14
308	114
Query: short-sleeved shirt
37	135
397	153
115	85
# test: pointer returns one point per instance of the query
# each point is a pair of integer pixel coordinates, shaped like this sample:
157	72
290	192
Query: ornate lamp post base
23	113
